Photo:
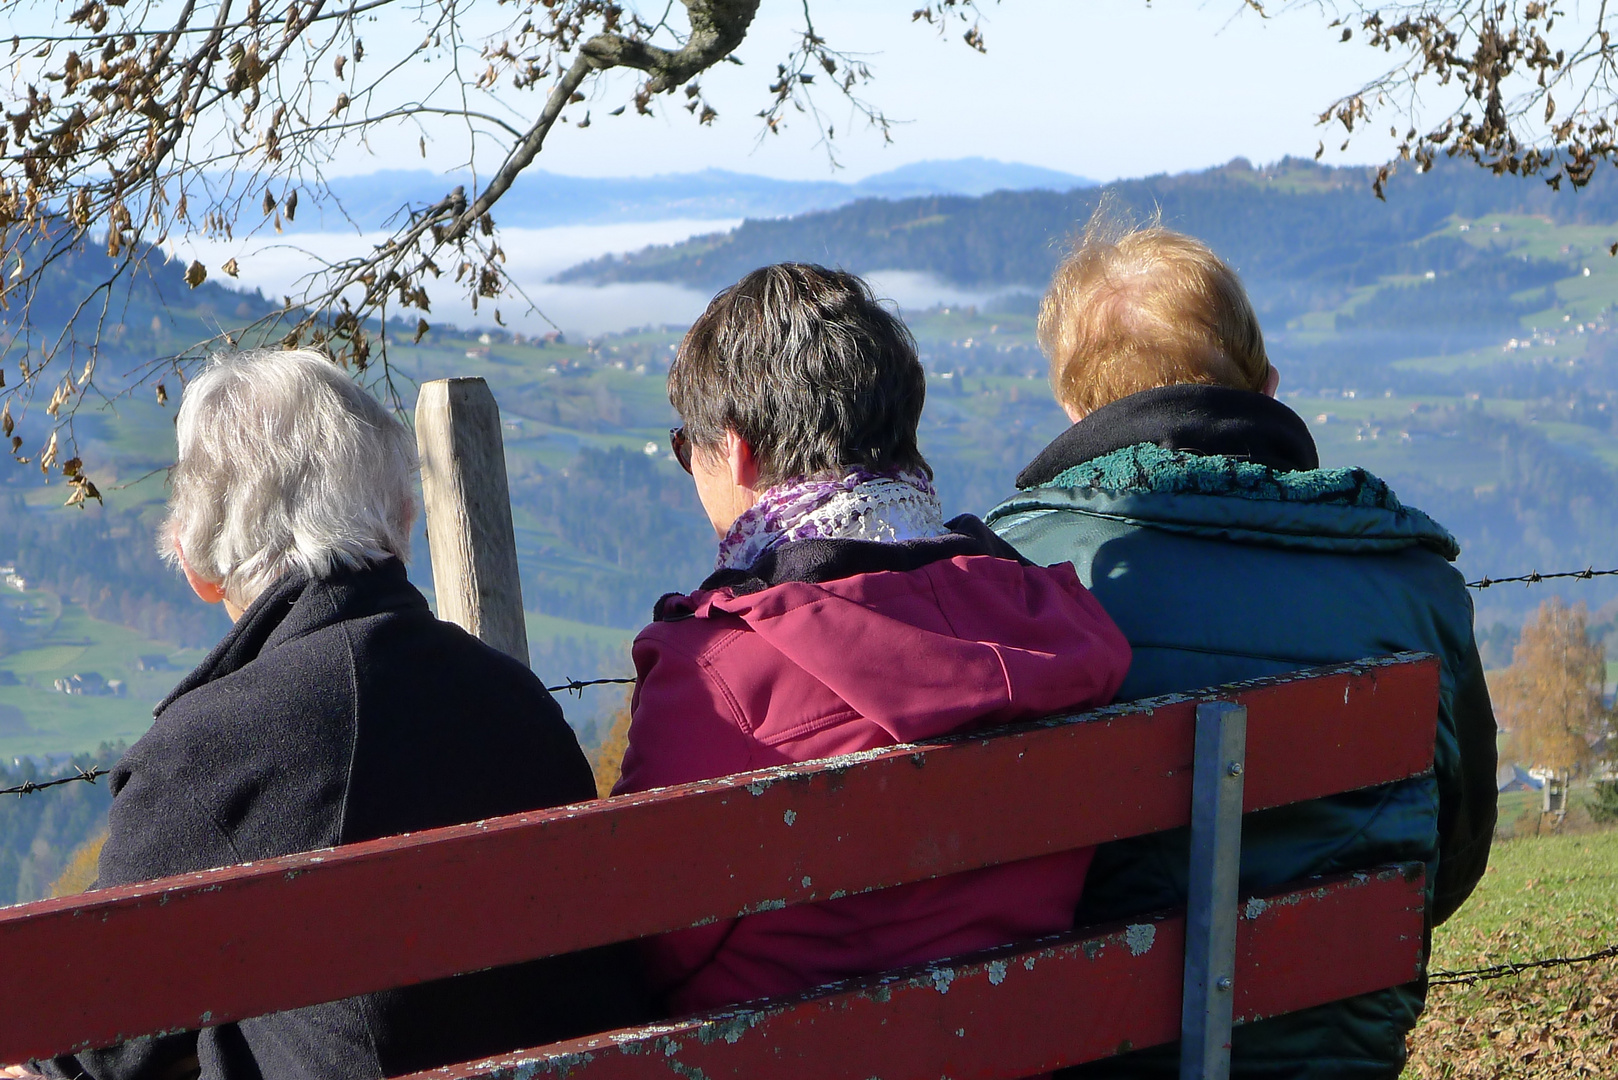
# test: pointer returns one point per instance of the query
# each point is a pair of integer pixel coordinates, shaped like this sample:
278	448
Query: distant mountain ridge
541	199
1302	235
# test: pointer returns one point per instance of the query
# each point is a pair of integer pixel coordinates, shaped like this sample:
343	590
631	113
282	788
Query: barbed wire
28	787
1536	577
576	686
1500	971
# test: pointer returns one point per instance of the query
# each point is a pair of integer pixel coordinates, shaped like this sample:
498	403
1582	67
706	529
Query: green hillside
1449	340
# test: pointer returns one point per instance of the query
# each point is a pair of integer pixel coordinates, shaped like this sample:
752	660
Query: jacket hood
1345	510
925	650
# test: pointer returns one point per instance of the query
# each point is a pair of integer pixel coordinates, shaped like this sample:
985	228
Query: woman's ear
209	592
1272	381
743	462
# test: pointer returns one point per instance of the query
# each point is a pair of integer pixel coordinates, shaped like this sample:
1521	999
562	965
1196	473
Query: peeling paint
960	1033
1139	938
563	1064
1091	949
942	977
997	972
807	881
789	817
1028	964
758	787
690	1072
731	1028
1256	907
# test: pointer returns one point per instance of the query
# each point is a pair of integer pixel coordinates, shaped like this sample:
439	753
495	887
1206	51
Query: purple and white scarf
888	507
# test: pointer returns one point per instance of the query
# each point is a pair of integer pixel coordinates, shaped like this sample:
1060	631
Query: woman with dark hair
844	614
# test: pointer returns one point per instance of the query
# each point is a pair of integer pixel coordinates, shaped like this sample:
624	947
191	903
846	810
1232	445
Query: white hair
285	464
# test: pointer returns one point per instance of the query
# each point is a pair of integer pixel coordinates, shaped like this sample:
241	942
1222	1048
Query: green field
1541	897
36	718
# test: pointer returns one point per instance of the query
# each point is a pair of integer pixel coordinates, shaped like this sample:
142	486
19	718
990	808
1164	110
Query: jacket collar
1208	420
296	605
818	561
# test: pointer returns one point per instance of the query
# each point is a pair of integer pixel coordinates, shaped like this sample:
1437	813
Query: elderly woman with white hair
333	712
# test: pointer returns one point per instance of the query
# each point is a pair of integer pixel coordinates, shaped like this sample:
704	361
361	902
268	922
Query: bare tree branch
1491	72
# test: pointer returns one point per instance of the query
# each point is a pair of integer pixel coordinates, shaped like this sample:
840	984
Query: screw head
1223	983
1234	768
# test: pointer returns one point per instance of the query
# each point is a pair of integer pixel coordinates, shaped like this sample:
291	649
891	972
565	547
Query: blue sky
1099	88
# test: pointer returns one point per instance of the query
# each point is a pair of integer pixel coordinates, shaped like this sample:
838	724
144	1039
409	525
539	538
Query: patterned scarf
889	507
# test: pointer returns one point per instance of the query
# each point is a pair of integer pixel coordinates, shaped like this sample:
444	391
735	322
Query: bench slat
1020	1011
242	941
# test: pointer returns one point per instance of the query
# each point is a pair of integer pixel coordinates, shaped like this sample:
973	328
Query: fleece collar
1207	420
1341	510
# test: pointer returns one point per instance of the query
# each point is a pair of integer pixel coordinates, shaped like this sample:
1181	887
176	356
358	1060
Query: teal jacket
1219	569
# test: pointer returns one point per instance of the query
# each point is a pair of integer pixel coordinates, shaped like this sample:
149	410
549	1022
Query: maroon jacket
827	647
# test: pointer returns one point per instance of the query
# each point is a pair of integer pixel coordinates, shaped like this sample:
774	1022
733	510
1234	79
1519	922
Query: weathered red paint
1022	1010
242	941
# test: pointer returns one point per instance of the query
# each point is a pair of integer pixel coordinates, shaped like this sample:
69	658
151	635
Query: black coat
337	711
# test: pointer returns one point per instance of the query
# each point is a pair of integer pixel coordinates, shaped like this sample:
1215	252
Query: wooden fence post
468	506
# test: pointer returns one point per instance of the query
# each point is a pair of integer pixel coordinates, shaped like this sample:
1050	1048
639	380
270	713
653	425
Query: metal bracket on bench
1210	929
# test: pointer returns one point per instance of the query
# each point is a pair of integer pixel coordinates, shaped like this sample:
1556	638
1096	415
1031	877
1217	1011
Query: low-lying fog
278	264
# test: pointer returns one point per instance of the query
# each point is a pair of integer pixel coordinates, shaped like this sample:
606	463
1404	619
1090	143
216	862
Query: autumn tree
1550	699
608	760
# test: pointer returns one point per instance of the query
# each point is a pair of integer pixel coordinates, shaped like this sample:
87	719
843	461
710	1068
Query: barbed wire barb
28	787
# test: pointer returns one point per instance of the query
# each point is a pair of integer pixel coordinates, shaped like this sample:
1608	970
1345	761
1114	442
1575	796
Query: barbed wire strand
1501	971
576	686
28	787
1536	577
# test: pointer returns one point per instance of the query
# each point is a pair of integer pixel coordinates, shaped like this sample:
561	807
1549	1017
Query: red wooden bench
241	941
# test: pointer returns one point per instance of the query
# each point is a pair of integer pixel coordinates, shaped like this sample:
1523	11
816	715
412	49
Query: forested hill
1301	234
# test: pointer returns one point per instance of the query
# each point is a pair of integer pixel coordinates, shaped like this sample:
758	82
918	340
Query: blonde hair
1134	308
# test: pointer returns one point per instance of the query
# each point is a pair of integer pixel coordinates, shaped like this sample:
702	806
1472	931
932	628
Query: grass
1541	897
76	643
1368	430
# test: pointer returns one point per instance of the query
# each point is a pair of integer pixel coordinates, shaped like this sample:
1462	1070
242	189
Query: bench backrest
241	941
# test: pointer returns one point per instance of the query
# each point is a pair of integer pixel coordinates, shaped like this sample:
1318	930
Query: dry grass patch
1542	897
